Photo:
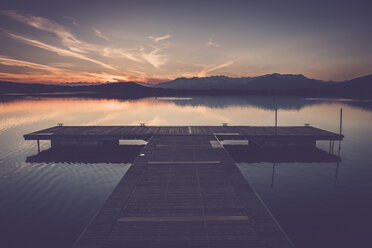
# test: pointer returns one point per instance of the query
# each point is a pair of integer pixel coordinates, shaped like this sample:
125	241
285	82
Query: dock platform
111	135
146	132
184	189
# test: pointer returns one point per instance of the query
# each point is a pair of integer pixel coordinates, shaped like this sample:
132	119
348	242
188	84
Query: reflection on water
47	199
117	154
254	154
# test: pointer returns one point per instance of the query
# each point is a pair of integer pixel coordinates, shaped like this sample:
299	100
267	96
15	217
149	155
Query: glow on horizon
49	51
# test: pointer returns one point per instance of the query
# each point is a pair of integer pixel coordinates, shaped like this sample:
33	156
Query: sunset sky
153	41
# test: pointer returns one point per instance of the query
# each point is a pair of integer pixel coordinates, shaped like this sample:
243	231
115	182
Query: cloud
210	43
155	58
99	34
67	38
58	75
112	52
73	47
59	51
156	39
108	77
206	70
15	62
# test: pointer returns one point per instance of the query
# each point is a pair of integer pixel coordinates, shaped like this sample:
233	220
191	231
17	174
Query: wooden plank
184	218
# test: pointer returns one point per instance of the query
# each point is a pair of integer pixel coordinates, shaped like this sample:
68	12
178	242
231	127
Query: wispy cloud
109	77
16	62
59	51
207	69
51	74
99	34
155	57
71	46
119	52
156	39
62	77
67	38
210	43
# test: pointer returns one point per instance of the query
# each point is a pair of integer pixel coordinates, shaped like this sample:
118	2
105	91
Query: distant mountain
271	84
123	89
358	87
266	82
79	84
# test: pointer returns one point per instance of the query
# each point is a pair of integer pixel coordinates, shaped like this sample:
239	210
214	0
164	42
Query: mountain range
273	81
285	84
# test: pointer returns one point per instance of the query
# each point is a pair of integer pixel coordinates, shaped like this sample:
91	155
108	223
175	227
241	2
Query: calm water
318	204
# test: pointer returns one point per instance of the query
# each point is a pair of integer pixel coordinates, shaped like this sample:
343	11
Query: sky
154	41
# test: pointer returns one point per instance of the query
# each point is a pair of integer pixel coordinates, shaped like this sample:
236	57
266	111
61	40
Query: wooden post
330	143
340	121
273	176
336	173
276	120
38	146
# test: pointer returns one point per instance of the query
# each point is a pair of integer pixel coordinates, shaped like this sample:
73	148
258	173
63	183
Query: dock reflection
253	154
239	153
109	154
278	155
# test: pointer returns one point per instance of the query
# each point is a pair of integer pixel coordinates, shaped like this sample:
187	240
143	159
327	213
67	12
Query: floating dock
111	135
183	190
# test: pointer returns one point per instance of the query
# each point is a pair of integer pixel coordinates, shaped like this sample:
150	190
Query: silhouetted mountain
124	89
79	84
271	84
266	82
357	87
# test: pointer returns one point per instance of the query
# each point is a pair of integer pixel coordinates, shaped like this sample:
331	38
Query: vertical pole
333	144
339	142
339	148
330	143
38	146
276	120
336	173
340	121
273	176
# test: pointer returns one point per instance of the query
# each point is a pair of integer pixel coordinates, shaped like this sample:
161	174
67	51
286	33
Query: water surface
317	204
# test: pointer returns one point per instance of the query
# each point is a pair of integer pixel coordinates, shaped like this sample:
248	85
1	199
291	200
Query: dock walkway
183	191
146	132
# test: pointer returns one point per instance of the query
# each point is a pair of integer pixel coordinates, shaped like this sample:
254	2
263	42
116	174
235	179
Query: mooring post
276	120
38	146
336	173
340	121
273	176
333	144
330	143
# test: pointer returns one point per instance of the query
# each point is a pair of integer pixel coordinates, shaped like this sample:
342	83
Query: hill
278	84
266	82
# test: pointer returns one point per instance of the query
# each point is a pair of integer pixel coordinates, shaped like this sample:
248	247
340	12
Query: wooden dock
183	190
146	132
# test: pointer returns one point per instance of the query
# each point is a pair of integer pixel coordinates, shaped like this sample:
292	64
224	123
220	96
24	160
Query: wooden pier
110	135
183	190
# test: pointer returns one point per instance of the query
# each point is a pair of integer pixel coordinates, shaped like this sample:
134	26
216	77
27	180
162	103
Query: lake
317	204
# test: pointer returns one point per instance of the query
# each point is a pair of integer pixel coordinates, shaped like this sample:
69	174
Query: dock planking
183	192
146	132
